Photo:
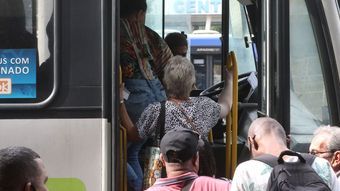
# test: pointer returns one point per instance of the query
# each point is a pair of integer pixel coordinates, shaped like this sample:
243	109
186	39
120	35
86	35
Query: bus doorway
293	85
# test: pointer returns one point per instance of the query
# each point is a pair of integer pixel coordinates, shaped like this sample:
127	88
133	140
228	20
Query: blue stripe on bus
207	41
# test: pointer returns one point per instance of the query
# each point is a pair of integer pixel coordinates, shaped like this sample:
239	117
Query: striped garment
200	183
143	53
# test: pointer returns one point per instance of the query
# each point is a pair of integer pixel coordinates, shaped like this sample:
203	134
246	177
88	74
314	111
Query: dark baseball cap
179	145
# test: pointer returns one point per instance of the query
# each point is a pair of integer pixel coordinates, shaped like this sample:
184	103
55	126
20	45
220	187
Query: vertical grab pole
232	120
228	147
228	135
123	148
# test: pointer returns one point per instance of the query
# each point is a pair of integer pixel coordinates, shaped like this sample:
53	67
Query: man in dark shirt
21	169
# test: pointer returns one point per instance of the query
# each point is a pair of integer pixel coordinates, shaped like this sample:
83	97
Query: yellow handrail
232	120
211	136
122	147
228	146
123	159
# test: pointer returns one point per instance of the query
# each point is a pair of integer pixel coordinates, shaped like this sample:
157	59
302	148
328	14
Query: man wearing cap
179	155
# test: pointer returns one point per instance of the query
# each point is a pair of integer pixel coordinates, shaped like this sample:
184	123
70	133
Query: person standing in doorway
143	55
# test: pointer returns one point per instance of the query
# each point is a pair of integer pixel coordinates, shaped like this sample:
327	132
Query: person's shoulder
202	100
151	109
152	32
213	180
153	106
253	167
148	29
251	175
248	163
158	188
149	112
209	182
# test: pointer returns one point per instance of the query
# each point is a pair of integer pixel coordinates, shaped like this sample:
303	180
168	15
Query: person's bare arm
132	132
125	120
225	98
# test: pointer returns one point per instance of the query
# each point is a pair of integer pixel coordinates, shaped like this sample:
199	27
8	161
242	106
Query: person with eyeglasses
266	136
143	56
21	169
326	144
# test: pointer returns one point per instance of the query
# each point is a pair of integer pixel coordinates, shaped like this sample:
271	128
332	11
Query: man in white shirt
267	136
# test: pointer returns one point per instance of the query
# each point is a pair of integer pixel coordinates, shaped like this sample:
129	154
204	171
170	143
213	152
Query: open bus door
298	69
287	48
208	52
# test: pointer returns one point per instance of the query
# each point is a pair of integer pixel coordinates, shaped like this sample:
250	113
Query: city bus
59	76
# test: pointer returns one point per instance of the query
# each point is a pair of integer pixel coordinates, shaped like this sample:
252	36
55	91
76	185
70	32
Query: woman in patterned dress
197	113
200	114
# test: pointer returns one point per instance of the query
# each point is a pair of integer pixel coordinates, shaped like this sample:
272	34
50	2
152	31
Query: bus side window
308	100
13	32
45	70
26	52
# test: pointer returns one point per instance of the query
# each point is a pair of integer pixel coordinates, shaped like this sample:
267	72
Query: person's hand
230	66
229	72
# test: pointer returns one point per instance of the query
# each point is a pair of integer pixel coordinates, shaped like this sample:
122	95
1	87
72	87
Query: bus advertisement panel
18	73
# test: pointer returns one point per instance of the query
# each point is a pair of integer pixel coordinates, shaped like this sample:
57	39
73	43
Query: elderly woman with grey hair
182	111
197	113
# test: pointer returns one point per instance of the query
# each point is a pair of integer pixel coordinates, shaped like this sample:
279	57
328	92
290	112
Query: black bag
293	176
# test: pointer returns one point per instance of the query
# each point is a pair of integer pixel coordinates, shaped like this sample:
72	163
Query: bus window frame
273	77
36	103
327	57
274	49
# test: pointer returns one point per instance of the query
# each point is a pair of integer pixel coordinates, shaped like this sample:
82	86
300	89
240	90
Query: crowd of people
164	74
155	71
267	136
22	169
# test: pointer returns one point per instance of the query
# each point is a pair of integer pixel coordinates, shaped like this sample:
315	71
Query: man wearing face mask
266	136
326	144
